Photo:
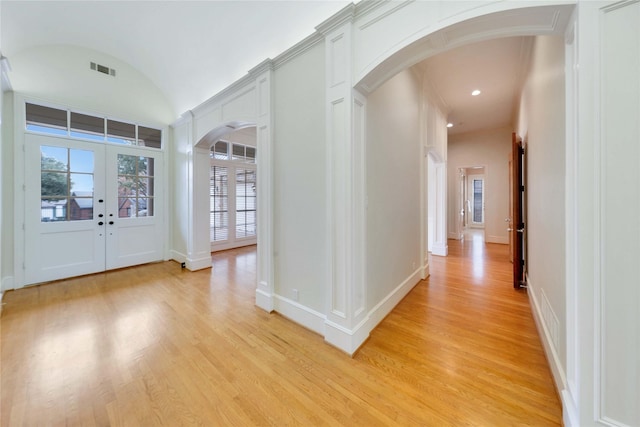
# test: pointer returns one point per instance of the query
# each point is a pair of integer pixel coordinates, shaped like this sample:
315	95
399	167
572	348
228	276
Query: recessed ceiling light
475	92
449	125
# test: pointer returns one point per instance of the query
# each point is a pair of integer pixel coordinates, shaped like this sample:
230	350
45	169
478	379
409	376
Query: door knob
101	223
110	222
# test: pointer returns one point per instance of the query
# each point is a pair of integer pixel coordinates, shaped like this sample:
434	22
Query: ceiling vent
103	69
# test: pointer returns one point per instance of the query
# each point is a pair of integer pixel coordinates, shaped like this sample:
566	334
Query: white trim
264	299
177	256
349	340
439	249
200	263
303	315
559	375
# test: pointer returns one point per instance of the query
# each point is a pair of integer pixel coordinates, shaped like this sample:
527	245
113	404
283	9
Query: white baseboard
350	340
177	256
570	416
198	263
497	239
557	370
7	283
299	313
440	249
455	236
264	300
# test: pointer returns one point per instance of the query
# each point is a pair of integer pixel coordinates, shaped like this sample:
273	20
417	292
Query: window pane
251	155
145	187
125	207
245	202
238	152
81	160
54	184
80	208
219	205
144	207
221	150
46	119
81	184
135	186
148	137
53	209
88	127
121	133
53	158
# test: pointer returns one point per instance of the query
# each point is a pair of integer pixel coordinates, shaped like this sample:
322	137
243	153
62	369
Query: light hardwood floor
159	346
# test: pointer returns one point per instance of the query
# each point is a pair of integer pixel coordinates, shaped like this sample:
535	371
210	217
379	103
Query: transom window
56	121
223	150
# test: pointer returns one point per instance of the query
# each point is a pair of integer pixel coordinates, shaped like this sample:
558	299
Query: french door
90	207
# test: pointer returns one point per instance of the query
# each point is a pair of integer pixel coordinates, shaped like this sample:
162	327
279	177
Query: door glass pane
53	158
82	184
80	208
245	203
135	186
54	184
219	194
81	160
477	200
66	184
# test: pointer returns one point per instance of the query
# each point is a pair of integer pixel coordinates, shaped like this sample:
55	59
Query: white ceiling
496	67
192	50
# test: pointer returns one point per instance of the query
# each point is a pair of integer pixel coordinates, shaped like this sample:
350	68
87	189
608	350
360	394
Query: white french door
90	207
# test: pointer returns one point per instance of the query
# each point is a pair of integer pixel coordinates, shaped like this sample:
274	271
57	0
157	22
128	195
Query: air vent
103	69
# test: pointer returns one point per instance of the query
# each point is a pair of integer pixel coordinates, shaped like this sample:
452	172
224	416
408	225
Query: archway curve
453	32
214	135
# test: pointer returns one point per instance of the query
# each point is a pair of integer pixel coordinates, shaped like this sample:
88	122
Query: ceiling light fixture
476	92
449	125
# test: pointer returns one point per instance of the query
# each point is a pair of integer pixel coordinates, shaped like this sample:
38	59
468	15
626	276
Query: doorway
90	207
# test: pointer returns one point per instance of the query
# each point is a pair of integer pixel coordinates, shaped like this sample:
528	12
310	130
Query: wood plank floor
159	346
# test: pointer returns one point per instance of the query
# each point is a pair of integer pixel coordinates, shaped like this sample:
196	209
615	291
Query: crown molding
347	14
264	66
298	49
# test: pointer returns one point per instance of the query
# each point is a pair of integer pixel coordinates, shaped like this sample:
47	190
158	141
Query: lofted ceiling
189	49
193	49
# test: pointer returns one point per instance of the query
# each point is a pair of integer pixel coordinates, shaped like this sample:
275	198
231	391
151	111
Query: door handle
100	223
520	230
509	229
110	222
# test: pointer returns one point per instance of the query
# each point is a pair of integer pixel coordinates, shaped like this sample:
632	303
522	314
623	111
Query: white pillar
345	112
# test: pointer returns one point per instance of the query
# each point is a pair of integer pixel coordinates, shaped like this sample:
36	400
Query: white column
346	195
264	132
440	245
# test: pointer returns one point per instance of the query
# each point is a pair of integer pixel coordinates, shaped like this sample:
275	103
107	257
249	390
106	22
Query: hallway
157	345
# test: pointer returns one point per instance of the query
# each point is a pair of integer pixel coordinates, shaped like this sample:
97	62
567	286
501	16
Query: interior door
517	225
90	207
65	207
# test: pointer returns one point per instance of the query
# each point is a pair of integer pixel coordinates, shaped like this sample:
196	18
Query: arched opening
398	74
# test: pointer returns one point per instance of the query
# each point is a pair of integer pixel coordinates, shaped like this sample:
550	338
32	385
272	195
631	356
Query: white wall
61	74
7	232
393	150
299	174
541	124
490	149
